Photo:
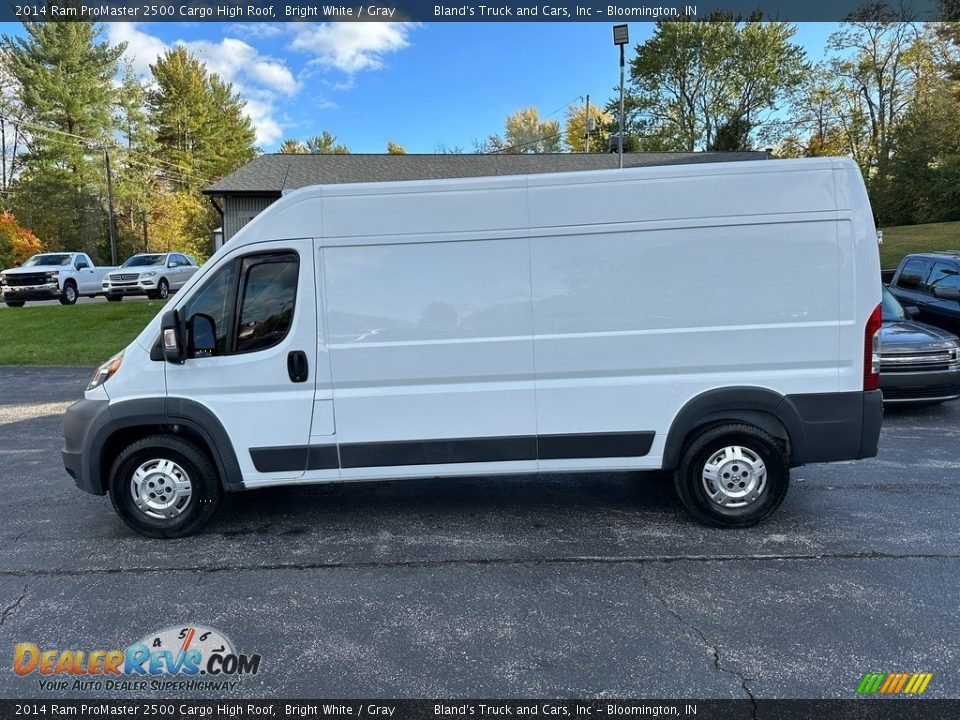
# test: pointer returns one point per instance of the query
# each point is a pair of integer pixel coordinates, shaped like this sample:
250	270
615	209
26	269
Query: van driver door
259	380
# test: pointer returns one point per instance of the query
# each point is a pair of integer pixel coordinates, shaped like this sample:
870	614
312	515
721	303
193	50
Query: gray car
919	363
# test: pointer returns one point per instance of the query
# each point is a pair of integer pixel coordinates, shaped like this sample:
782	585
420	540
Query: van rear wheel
732	475
164	487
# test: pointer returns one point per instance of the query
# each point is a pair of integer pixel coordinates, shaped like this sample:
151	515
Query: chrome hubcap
734	477
163	290
161	489
71	293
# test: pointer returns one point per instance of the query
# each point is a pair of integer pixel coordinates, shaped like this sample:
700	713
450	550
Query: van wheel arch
136	419
759	407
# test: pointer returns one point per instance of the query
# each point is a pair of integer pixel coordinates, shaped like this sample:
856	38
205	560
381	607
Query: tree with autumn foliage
16	242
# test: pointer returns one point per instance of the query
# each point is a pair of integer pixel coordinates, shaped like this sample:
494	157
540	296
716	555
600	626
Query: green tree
293	147
525	132
695	79
575	129
924	181
201	130
64	74
136	176
326	144
876	64
395	148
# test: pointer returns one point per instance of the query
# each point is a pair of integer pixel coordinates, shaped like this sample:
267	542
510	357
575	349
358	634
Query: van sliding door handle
297	366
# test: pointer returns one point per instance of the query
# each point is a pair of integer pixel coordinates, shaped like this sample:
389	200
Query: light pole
621	37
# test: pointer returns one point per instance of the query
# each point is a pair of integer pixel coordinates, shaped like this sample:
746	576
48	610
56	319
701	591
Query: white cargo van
716	320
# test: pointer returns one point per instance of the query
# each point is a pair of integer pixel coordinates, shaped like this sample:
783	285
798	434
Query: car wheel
69	294
164	487
14	303
732	475
114	298
163	290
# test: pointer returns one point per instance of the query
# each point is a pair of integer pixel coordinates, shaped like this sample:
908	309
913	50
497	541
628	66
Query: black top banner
610	11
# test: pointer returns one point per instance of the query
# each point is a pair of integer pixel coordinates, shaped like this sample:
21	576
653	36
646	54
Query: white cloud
351	46
261	114
264	82
143	49
238	62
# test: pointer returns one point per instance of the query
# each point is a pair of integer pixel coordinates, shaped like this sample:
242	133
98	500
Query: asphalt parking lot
557	586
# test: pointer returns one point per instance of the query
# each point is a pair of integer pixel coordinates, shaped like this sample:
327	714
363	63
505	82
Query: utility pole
586	128
112	223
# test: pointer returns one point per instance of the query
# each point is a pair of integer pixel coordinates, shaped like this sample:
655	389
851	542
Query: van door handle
297	366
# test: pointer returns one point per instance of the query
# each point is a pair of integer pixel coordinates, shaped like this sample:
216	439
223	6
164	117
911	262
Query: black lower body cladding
834	426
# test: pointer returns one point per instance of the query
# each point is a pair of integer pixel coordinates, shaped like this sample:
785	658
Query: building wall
238	211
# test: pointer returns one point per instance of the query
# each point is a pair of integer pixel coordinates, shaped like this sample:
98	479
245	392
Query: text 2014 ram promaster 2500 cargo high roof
718	320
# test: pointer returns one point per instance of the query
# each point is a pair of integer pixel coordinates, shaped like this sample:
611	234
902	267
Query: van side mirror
947	293
912	310
171	337
202	332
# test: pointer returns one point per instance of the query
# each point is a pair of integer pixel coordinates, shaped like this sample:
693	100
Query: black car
930	282
919	363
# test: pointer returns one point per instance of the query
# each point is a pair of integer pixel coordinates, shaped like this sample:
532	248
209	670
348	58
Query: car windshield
142	260
61	259
892	309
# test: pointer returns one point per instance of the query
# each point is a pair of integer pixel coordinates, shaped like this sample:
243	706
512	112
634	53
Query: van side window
268	293
216	300
912	275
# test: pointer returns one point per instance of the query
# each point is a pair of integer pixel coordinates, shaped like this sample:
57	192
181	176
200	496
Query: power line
92	143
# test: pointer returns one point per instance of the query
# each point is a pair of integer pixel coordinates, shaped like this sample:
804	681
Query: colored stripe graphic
894	683
870	683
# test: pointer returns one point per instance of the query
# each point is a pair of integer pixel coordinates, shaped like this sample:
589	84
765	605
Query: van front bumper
82	443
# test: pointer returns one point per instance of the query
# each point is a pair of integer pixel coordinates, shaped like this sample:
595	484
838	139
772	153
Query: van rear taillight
871	350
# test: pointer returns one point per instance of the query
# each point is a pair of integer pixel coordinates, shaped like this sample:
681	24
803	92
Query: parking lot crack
12	607
712	648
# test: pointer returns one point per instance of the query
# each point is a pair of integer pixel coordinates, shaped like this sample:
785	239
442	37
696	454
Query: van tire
716	449
114	298
14	303
69	295
188	460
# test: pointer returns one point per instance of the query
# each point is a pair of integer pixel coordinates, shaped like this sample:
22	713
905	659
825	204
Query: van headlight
147	274
105	371
53	275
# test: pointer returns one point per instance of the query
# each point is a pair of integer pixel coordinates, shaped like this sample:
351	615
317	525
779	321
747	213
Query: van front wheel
732	475
164	487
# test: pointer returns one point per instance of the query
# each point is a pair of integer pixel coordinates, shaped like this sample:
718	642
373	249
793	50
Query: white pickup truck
63	276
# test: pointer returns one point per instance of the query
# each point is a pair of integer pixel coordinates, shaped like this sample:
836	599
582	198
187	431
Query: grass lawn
85	334
898	241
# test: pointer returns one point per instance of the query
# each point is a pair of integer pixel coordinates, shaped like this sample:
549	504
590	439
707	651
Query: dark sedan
919	363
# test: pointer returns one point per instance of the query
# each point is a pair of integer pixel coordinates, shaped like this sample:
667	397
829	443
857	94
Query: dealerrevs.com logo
191	657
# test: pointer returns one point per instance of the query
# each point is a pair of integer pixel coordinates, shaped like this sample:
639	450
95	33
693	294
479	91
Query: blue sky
421	85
